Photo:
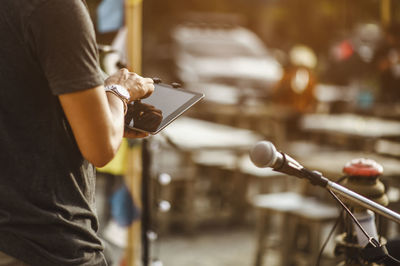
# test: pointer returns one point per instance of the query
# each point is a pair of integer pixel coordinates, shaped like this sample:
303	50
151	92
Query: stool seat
281	202
315	210
296	204
296	210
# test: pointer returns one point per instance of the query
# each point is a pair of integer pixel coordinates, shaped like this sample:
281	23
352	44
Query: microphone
264	154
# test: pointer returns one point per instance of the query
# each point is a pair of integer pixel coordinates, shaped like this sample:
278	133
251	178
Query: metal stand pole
316	178
363	201
146	208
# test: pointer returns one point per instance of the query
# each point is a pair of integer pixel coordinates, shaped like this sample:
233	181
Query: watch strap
114	90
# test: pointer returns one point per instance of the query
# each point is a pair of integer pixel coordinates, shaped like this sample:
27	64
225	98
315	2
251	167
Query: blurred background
318	78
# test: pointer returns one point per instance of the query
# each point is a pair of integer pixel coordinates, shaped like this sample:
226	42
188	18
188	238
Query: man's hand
97	119
143	116
137	86
134	134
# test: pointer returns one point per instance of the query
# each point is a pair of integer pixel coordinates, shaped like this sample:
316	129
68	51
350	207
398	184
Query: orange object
363	167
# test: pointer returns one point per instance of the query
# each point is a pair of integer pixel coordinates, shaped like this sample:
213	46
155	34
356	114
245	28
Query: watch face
122	91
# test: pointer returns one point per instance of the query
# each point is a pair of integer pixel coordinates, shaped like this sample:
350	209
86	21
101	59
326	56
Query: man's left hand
134	134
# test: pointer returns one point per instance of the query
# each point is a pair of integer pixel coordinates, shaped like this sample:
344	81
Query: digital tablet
163	106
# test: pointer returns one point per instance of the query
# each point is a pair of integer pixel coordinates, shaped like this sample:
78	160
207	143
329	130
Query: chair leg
190	222
262	225
289	228
315	237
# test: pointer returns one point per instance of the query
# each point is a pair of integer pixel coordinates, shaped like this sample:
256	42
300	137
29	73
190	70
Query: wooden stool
221	185
312	215
295	210
179	191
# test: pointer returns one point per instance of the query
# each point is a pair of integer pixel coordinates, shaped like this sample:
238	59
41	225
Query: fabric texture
47	213
6	260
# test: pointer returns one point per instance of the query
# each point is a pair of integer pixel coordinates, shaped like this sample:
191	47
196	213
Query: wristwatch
121	92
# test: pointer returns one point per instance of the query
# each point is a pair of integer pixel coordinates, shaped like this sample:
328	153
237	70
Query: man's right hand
138	87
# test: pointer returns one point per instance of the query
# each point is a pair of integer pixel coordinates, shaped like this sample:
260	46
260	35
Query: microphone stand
373	251
265	154
146	202
316	178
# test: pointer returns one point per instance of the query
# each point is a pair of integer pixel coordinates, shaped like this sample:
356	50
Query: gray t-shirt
47	217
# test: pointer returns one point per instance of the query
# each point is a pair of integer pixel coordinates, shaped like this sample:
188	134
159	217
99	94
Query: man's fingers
138	86
125	73
150	90
134	134
148	80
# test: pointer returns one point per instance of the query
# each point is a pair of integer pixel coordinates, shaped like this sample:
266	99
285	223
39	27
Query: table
216	148
267	119
193	134
330	162
351	124
349	130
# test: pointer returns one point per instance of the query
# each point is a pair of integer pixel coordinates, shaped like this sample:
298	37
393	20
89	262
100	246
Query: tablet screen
163	106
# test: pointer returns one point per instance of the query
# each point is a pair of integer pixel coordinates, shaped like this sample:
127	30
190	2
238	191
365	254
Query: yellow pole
385	12
133	181
133	22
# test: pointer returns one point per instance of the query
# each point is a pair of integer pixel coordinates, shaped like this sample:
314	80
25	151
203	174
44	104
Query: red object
345	50
363	167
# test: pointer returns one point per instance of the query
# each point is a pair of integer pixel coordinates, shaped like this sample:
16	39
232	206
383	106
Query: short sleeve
61	35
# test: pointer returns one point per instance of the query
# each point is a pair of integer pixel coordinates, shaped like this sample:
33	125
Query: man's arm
97	118
96	121
62	37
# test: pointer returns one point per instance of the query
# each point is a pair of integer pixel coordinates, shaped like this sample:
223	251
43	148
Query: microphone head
263	154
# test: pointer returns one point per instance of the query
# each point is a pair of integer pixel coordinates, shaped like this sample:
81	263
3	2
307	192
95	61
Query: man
57	121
